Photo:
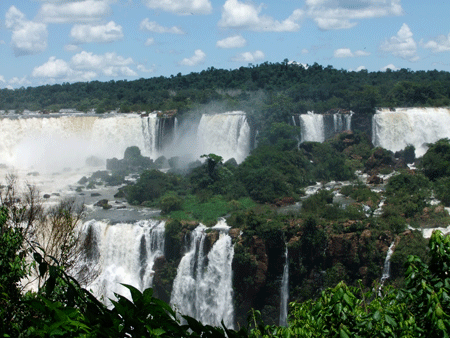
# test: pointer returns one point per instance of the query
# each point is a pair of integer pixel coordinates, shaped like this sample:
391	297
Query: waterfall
387	263
203	286
395	129
227	135
57	142
125	253
284	292
341	122
312	127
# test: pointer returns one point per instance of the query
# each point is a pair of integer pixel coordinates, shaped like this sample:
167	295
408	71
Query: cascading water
312	127
227	135
387	264
53	143
284	292
342	122
123	253
319	127
203	286
397	128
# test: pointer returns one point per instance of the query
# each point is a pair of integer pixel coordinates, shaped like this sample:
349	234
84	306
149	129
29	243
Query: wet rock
439	209
103	203
95	194
374	179
83	180
234	233
46	196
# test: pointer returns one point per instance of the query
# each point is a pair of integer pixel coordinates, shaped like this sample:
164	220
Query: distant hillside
292	87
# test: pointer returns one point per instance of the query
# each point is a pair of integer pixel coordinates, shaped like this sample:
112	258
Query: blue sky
55	41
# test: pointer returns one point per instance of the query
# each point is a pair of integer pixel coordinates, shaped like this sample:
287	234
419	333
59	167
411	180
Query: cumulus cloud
149	42
439	45
28	37
74	11
53	68
181	7
236	14
71	48
389	66
360	68
96	33
402	44
15	81
144	69
236	41
2	42
340	14
2	79
305	51
249	57
154	27
347	53
198	58
85	66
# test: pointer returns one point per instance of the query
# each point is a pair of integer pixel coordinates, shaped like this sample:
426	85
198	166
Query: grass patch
209	211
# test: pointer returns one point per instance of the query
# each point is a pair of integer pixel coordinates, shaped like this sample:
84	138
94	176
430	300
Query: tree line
312	88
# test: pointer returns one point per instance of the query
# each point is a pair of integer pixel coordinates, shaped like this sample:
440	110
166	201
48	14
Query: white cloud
2	42
149	42
236	14
28	37
142	68
249	57
343	53
236	41
74	11
15	81
340	14
89	61
71	48
440	44
96	33
85	66
53	68
305	51
198	58
154	27
361	53
347	53
401	45
360	68
181	7
389	66
2	79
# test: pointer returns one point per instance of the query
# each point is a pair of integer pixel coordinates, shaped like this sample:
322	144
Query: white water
50	144
319	127
312	127
227	135
284	292
395	129
342	122
203	286
125	254
387	264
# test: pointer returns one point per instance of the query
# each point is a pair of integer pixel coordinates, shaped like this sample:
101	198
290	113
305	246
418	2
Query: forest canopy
303	89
